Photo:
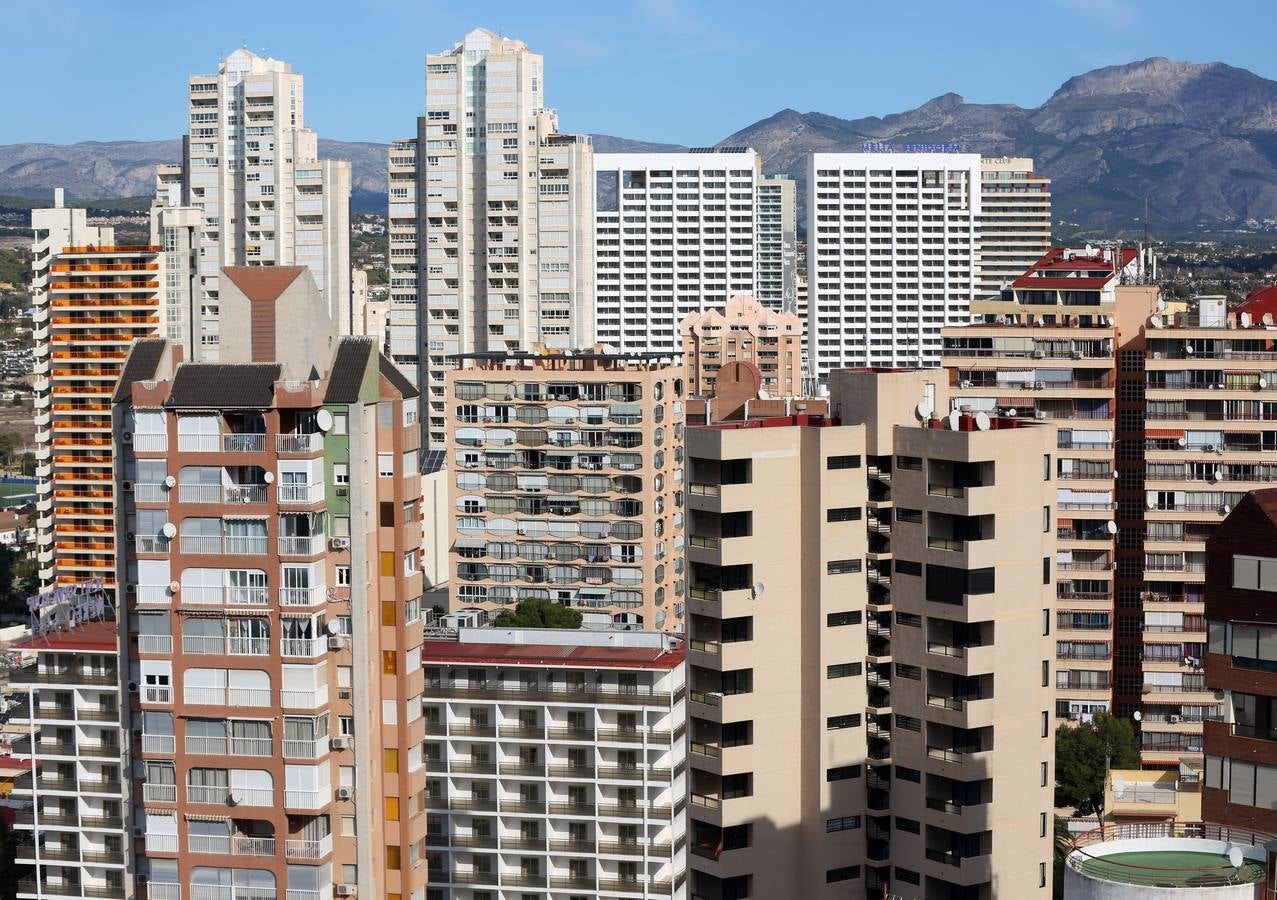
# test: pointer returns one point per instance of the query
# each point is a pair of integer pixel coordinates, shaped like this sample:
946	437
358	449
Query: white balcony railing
157	693
200	543
240	544
300	493
159	743
303	596
206	746
308	647
208	843
297	749
248	596
204	696
151	543
199	493
304	699
161	843
149	493
163	890
299	443
248	696
159	793
201	595
311	545
150	443
309	849
244	443
155	643
153	593
246	845
249	646
204	644
305	799
195	443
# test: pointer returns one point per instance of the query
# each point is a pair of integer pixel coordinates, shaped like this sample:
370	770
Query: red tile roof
96	636
262	282
1260	301
1039	274
433	652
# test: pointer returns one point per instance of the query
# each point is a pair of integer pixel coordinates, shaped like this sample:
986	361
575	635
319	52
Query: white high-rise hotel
893	255
252	167
502	204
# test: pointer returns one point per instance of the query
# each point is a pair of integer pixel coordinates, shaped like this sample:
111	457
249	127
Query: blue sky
665	70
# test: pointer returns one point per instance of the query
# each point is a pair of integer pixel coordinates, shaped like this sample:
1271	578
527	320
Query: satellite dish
1138	716
1236	857
333	627
924	410
758	589
1245	319
170	481
269	477
1183	442
1111	527
1218	474
324	419
174	587
1011	413
1155	321
1226	509
1188	348
1263	382
763	395
982	420
953	420
170	530
1150	503
236	798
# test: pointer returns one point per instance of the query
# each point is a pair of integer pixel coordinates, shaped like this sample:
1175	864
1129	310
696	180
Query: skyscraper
253	167
504	209
776	242
892	256
1015	221
674	235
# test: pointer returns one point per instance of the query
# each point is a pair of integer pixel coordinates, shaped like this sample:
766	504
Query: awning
469	544
1164	432
201	817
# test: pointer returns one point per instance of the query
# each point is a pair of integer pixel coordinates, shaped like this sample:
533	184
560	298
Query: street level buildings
557	761
253	169
893	255
567	483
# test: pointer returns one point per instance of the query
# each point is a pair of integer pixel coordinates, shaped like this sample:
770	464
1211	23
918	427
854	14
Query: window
842	773
833	620
843	462
904	670
1041	824
846	873
1046	724
392	809
738	785
906	774
1255	573
348	826
842	566
1046	570
842	670
341	423
1046	621
410	562
909	516
1042	875
1046	466
392	856
909	463
948	584
341	526
1043	773
909	825
389	662
341	473
388	616
908	876
386	465
343	576
913	620
737	734
908	723
1046	519
838	722
842	823
386	514
908	567
843	514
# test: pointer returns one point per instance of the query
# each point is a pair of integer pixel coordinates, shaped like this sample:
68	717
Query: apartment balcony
309	851
229	746
303	596
69	889
306	546
300	493
222	795
294	444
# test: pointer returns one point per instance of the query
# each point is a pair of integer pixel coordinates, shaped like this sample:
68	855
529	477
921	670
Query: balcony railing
307	647
303	596
300	493
304	749
244	443
299	443
159	743
311	545
303	849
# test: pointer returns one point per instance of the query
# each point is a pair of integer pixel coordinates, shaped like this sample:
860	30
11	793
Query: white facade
674	234
252	166
776	243
892	255
506	216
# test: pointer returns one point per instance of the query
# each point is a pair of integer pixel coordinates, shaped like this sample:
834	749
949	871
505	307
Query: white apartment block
402	308
893	253
556	761
674	234
505	216
776	243
252	166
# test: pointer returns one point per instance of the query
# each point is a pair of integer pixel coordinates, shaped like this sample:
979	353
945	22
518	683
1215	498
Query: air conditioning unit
137	732
133	687
130	588
127	437
1039	385
337	642
1175	720
966	384
1039	413
341	742
1157	354
344	694
1039	354
344	890
339	543
342	491
1208	448
345	793
128	486
1077	354
139	831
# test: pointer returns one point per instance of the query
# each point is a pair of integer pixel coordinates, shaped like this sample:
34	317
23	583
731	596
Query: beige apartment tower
862	550
1015	222
567	484
504	217
743	331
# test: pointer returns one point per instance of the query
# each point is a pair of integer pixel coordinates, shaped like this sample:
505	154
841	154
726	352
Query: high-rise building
567	484
74	829
1153	405
92	299
776	242
504	211
1240	785
851	647
253	168
557	761
274	653
743	331
892	255
1015	221
674	235
403	314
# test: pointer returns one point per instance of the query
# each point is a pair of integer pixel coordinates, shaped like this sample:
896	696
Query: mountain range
1197	141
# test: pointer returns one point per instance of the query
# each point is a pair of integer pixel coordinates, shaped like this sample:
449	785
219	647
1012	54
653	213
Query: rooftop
224	386
1089	267
97	637
556	647
262	282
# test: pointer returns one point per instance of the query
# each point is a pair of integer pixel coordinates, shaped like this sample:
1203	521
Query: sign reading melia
876	147
67	606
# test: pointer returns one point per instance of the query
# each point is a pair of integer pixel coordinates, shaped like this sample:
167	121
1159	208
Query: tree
9	441
1063	845
537	613
1083	755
